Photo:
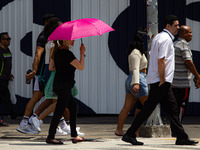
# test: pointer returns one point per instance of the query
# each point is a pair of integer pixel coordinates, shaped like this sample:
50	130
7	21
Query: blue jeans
143	90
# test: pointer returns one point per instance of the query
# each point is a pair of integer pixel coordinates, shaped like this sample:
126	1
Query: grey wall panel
17	21
101	84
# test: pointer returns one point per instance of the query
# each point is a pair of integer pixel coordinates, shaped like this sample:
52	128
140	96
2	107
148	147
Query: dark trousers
165	97
182	98
5	96
65	100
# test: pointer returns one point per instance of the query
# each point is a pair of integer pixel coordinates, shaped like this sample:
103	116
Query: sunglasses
8	39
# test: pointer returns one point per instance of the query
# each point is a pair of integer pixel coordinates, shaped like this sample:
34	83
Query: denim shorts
143	89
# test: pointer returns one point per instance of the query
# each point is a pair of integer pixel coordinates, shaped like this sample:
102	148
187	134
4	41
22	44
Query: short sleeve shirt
182	75
5	63
64	70
162	46
41	41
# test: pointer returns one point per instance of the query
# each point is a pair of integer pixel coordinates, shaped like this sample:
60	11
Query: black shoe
131	140
53	141
173	134
3	124
186	142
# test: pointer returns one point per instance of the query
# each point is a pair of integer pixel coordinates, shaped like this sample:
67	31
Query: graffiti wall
101	84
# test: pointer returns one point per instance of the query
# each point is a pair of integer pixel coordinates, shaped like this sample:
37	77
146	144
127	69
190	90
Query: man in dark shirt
38	91
5	74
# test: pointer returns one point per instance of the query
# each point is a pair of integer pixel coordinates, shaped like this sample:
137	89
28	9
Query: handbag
11	87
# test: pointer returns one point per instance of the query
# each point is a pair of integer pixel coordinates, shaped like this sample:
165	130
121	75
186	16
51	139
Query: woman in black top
65	64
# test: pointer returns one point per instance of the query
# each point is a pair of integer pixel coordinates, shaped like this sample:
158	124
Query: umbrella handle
81	41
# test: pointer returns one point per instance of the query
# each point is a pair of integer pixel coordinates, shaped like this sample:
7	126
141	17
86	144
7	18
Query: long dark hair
52	24
138	41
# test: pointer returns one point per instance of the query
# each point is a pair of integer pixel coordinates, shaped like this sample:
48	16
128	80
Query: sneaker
59	131
68	130
65	128
37	123
80	133
27	129
3	124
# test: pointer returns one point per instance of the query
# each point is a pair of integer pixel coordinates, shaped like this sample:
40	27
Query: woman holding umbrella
65	64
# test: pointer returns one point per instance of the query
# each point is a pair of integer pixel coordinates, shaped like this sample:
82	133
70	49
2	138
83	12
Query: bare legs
51	105
50	109
128	105
37	95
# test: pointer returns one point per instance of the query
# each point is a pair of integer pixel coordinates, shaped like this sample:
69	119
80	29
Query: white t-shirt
162	46
48	47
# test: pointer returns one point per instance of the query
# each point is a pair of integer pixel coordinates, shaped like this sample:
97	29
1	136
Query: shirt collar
171	35
182	39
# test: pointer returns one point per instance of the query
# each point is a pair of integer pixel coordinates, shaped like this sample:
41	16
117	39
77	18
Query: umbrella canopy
80	28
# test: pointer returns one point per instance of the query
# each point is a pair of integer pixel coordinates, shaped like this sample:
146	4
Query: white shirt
48	47
162	46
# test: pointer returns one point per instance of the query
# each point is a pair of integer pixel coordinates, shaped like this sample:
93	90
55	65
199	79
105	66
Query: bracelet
83	54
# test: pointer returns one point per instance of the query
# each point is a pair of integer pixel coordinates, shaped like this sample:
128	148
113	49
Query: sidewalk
99	135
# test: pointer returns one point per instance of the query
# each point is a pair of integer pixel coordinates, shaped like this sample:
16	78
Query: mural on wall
125	25
188	13
4	3
26	43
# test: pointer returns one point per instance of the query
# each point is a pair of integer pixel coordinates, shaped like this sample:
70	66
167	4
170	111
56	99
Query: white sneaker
80	133
68	130
59	131
27	129
37	123
30	119
65	128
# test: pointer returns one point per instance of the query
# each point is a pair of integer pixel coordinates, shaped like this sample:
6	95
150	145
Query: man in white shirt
160	76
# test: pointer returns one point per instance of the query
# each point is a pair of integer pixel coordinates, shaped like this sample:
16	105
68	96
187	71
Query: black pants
165	97
5	96
65	100
182	98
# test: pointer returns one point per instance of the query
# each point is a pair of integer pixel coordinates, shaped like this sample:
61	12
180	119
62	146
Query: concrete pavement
99	132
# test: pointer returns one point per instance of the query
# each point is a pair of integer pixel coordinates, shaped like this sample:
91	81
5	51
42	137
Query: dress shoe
186	142
53	141
77	140
133	141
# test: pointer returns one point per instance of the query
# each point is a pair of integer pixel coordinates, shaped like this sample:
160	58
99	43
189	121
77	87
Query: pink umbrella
80	28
